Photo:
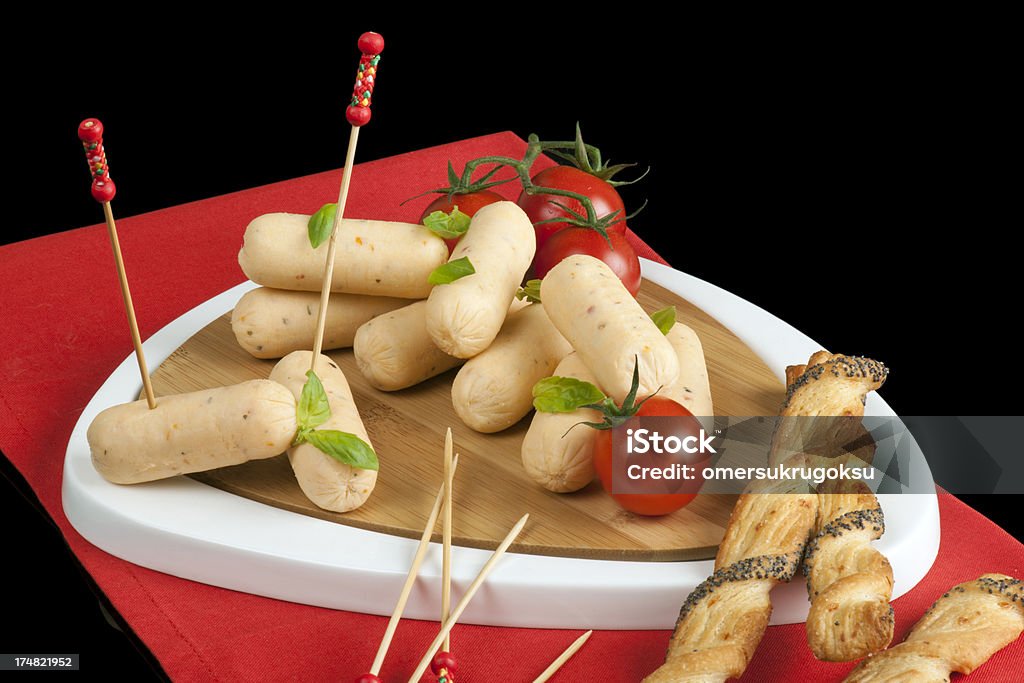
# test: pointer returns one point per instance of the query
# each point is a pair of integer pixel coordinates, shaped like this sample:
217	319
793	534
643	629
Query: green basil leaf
447	225
313	409
564	394
320	224
451	271
344	447
664	319
531	292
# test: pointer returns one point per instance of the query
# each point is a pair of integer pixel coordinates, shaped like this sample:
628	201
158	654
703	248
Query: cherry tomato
620	255
649	504
539	207
468	204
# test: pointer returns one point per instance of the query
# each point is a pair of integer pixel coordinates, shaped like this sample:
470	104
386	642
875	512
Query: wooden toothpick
410	579
446	539
464	602
563	658
358	114
90	132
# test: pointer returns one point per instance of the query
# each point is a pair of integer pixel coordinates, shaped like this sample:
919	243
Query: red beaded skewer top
90	132
371	45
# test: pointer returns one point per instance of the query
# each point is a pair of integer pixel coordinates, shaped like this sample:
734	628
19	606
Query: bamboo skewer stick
563	658
358	114
464	602
332	247
410	579
90	132
446	538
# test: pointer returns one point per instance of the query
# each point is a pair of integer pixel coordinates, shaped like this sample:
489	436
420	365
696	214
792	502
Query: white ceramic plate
188	529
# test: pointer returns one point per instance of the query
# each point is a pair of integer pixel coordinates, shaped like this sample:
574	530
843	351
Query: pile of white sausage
404	331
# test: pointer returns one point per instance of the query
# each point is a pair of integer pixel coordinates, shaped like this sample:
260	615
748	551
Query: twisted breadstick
724	618
960	632
849	582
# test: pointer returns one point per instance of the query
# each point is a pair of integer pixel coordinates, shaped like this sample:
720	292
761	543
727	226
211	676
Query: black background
855	189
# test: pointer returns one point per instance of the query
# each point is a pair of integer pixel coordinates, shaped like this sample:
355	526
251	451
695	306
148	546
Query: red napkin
61	301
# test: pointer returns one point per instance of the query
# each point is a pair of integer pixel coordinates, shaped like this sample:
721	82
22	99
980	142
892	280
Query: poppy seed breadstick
960	632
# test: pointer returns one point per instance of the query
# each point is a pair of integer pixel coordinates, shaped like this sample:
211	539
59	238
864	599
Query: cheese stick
328	483
271	323
373	257
394	351
493	390
557	455
605	325
464	317
193	432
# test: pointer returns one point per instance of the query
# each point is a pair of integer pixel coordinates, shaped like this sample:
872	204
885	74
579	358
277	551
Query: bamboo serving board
491	488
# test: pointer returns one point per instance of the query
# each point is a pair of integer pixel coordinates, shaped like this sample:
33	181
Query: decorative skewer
90	132
444	666
464	602
358	114
563	658
410	579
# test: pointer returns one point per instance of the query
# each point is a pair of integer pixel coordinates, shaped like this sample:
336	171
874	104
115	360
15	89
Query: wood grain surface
491	489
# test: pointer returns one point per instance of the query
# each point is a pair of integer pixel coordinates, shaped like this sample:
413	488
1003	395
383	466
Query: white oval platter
194	531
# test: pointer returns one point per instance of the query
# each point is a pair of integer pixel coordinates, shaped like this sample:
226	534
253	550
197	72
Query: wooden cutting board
491	489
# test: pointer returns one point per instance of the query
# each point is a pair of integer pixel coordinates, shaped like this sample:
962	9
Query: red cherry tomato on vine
650	504
620	255
539	207
468	204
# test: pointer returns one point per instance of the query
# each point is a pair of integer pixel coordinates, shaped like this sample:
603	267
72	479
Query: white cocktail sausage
562	462
380	258
464	317
193	432
271	323
329	483
605	325
394	351
692	390
557	455
493	390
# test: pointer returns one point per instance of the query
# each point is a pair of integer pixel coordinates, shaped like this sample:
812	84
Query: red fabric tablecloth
60	300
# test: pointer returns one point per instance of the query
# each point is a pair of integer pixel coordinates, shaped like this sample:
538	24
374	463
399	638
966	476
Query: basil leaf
320	224
664	319
447	225
313	409
531	292
451	271
344	447
564	394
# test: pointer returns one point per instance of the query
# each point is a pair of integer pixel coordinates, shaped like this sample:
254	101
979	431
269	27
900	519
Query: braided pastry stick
849	582
724	618
960	632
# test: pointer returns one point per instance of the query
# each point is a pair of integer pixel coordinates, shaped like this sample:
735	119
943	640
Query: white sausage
691	389
373	257
564	464
557	455
493	390
605	325
329	483
394	351
193	432
271	323
464	317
